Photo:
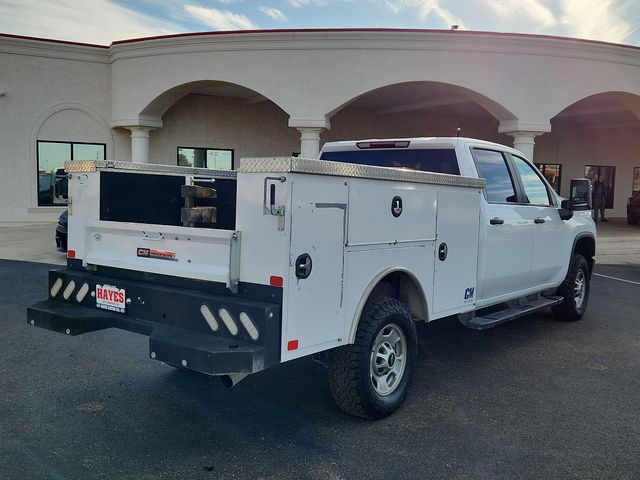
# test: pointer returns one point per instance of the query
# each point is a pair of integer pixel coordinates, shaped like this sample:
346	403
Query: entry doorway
607	175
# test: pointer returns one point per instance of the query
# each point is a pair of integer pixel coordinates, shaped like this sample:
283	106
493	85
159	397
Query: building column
139	144
524	135
310	130
309	142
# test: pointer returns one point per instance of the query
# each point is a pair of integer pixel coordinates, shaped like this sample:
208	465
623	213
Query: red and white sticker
110	298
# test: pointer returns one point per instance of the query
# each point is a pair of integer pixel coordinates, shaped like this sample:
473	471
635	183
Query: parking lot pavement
33	243
533	398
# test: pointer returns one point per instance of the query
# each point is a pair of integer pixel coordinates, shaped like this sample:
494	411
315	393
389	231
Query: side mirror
579	198
580	194
565	210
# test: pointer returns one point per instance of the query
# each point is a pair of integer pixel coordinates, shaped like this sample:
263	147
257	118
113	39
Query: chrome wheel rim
388	359
580	288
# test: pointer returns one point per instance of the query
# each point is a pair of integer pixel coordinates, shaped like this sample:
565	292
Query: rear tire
371	378
575	291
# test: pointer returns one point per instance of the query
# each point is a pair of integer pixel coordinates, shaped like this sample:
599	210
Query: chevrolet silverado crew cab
232	272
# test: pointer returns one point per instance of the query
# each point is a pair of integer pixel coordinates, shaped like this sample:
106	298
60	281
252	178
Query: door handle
539	220
496	221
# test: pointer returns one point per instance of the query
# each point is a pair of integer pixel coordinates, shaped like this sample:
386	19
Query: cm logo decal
396	206
468	293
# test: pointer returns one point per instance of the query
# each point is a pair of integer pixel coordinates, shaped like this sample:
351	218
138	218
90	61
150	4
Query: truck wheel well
404	287
586	246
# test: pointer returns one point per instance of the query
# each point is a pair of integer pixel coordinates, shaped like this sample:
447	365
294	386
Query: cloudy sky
103	21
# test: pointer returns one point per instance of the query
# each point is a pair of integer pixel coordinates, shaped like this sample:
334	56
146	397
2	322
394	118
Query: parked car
61	231
633	209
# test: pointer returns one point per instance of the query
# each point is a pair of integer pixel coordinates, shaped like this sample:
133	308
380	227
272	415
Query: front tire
371	378
575	290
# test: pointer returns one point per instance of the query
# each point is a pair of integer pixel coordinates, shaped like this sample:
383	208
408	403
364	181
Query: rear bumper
178	332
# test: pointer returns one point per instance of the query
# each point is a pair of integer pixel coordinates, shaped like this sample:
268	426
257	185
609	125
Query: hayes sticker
110	298
160	254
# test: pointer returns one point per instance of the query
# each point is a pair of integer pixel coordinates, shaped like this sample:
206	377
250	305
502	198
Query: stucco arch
50	113
497	110
163	101
630	101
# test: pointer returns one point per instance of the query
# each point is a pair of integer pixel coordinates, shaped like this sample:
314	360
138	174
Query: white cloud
220	19
426	9
600	19
606	20
90	21
298	3
530	12
273	13
230	1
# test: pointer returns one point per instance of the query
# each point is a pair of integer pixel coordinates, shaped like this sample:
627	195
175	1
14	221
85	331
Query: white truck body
432	240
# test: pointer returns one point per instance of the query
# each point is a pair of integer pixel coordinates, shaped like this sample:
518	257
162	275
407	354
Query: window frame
544	165
206	149
67	142
523	194
507	162
516	181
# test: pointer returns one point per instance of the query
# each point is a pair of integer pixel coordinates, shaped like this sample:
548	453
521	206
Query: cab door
551	234
506	230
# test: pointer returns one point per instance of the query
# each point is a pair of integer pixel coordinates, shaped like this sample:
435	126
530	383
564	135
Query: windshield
442	160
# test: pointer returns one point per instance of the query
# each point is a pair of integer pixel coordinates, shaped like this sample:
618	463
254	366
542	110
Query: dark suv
61	232
633	209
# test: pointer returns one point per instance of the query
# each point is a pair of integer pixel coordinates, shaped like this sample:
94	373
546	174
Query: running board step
511	313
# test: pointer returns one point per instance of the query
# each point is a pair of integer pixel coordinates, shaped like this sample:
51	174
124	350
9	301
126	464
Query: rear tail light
69	290
228	321
208	316
71	254
249	326
82	292
55	288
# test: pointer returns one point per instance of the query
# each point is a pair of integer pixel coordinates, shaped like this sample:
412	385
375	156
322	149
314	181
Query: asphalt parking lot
534	398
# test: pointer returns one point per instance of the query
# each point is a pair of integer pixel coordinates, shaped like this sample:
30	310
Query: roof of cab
414	143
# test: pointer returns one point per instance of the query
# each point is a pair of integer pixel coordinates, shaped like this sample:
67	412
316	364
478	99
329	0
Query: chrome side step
525	307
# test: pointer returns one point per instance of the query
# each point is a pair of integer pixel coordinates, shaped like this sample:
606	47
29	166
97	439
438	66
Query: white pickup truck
231	272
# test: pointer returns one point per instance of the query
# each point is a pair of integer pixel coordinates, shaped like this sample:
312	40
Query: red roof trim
324	30
51	40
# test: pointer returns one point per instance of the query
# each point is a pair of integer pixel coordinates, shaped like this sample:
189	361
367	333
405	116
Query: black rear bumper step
209	332
205	353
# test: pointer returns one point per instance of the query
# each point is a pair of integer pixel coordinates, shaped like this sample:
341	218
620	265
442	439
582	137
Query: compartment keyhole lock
443	250
303	266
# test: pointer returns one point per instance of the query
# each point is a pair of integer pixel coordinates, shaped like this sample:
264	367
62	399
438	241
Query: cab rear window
428	160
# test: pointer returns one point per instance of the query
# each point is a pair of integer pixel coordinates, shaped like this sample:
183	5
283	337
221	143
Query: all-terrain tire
351	367
575	302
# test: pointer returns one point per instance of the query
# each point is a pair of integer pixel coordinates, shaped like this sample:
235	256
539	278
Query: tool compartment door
314	313
456	262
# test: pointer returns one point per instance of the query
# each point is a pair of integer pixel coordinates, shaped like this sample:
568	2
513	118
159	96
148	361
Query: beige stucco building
211	98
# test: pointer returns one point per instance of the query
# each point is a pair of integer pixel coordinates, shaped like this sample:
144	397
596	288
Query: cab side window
534	188
492	166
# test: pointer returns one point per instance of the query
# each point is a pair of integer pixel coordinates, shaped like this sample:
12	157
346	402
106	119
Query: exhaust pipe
232	379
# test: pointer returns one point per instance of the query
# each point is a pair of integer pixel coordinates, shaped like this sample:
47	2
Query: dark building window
553	173
51	155
216	158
